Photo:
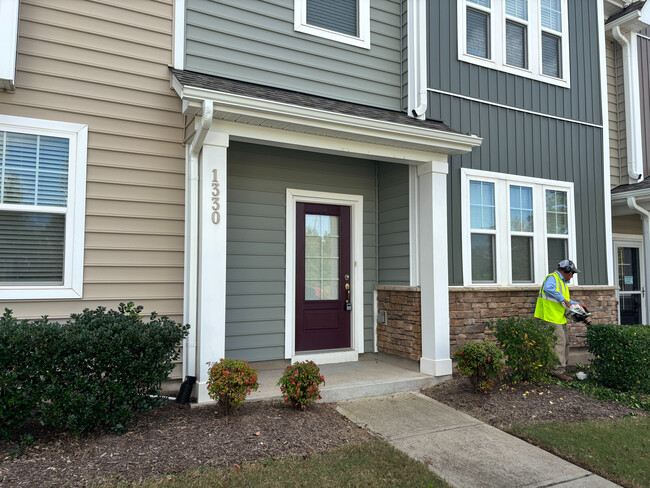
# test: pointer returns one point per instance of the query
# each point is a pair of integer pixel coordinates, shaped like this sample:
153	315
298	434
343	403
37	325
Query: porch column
211	316
434	282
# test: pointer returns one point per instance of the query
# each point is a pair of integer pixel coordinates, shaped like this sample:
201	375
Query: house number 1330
216	217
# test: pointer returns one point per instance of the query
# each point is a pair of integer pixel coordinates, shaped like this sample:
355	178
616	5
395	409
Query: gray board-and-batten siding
258	177
255	41
529	128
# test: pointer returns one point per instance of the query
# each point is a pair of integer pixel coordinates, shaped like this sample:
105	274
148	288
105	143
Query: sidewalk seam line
426	432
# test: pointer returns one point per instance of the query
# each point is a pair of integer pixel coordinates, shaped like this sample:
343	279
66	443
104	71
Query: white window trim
497	42
75	211
363	40
502	221
8	42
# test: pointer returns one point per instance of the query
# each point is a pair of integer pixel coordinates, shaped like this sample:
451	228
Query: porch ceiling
257	113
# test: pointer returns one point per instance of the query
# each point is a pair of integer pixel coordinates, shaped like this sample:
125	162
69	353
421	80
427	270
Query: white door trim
355	202
630	240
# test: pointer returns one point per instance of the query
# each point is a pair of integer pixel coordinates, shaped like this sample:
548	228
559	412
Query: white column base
201	393
439	367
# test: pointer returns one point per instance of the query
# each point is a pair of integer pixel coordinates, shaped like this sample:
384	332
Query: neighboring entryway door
323	305
630	281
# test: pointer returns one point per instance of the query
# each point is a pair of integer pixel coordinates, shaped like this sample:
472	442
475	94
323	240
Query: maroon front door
323	307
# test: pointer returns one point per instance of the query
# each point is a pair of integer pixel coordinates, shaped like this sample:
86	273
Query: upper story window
524	37
42	208
515	229
346	21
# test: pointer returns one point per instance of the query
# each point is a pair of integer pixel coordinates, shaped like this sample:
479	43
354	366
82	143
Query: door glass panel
628	269
321	257
630	309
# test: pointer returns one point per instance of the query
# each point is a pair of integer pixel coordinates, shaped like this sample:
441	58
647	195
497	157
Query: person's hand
567	303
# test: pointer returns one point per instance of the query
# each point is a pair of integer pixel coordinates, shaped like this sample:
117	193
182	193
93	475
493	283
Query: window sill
39	293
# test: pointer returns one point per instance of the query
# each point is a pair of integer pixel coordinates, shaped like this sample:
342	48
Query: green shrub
621	356
230	381
528	346
24	355
95	370
300	384
481	362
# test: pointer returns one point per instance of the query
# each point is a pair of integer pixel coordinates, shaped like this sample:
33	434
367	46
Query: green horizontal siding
258	177
255	41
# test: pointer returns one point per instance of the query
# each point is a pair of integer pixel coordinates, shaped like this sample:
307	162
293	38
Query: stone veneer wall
401	335
470	308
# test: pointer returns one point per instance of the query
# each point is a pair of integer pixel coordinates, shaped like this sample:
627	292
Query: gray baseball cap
568	266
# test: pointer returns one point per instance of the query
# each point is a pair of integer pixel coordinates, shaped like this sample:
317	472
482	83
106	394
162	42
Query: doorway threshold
326	356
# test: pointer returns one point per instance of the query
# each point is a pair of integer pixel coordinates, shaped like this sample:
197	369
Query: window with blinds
514	227
33	204
523	37
345	21
335	15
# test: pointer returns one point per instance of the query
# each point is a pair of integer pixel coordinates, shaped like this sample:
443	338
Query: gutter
192	237
632	114
417	59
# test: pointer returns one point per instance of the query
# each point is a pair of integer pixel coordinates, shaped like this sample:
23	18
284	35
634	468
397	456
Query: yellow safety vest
548	308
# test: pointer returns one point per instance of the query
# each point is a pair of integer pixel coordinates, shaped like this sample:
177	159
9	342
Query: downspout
645	219
417	59
632	114
192	237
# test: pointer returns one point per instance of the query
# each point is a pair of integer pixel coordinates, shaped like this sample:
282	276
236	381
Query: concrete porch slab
374	374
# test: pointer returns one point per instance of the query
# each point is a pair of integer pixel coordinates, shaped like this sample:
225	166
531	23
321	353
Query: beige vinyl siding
616	113
612	111
627	224
105	64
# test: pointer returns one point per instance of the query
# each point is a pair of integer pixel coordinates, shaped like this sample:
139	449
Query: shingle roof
643	185
622	13
225	85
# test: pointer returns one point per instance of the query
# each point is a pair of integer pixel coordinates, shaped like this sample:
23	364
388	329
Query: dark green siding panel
540	147
258	177
255	41
393	215
582	101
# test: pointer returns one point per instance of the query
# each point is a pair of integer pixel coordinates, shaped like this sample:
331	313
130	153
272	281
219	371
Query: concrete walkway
463	451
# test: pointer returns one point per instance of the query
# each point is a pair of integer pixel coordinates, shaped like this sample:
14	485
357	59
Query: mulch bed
525	403
175	438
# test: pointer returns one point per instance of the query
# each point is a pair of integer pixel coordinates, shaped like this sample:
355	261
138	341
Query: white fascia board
632	22
8	42
387	133
642	195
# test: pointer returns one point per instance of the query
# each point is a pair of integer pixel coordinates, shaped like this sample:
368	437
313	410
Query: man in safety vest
552	302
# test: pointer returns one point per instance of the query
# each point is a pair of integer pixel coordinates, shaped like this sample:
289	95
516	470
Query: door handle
348	305
643	292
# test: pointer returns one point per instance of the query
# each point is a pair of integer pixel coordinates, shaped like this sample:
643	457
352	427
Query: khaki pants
562	346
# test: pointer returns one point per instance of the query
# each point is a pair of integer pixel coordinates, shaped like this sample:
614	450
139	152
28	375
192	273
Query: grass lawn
618	450
374	463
